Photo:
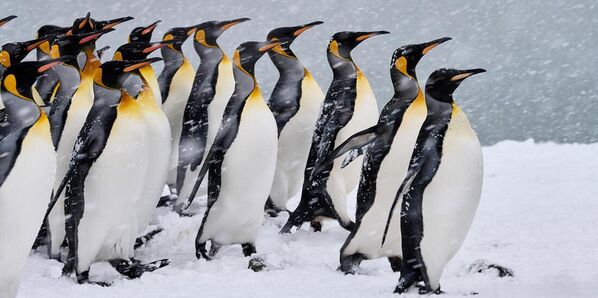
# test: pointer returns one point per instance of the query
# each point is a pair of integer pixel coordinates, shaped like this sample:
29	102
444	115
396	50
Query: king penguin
157	126
67	115
27	165
241	162
349	106
390	143
440	194
143	34
213	86
47	84
295	102
106	177
176	82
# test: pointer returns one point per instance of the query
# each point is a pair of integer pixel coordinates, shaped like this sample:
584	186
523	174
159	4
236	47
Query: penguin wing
354	144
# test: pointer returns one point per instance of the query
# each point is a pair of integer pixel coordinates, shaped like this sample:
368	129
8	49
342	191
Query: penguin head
443	82
138	50
287	35
5	20
143	34
50	33
206	34
178	35
71	45
342	43
113	74
19	77
405	58
14	52
248	53
88	24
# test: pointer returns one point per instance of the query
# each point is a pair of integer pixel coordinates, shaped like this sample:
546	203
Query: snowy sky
540	54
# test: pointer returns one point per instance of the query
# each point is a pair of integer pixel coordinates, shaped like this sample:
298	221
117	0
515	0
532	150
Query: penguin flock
87	148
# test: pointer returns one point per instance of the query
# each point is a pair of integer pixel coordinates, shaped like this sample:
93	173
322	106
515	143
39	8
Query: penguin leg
271	209
407	281
200	247
349	262
248	249
134	268
214	248
316	225
147	237
168	200
83	278
395	263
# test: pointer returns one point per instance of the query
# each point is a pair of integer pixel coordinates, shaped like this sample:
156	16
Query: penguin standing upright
441	191
241	162
390	143
349	107
213	86
158	138
27	165
67	115
106	178
295	102
176	82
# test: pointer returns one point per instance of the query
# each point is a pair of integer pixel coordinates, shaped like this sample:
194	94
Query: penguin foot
248	249
271	210
406	282
482	266
424	290
395	263
134	268
349	226
214	248
83	278
201	252
166	201
316	225
257	264
147	237
349	262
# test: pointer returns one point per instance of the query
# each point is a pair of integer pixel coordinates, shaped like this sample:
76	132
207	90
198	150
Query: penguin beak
370	34
306	27
94	35
149	29
6	20
268	46
156	46
140	64
464	74
51	63
33	44
112	23
231	23
191	30
87	19
432	44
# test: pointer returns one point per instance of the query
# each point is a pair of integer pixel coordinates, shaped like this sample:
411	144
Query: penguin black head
88	24
6	20
19	77
342	43
178	35
113	74
206	34
143	34
138	50
14	52
71	45
287	35
248	53
405	58
443	82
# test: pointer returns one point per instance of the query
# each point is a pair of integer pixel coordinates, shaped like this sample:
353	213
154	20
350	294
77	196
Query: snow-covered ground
537	216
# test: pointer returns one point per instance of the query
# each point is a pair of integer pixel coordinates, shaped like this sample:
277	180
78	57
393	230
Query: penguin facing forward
176	82
158	128
441	191
213	86
241	162
295	102
106	178
7	19
68	111
390	143
27	165
143	34
349	107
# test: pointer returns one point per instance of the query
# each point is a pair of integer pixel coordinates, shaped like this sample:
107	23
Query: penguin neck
342	69
210	56
289	67
245	83
91	64
69	76
20	112
405	86
2	70
105	97
439	103
173	59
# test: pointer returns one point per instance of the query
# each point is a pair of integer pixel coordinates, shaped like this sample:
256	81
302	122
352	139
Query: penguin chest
392	171
225	86
81	104
24	197
246	178
451	199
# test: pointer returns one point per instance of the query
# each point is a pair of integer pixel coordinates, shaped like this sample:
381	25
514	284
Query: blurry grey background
541	55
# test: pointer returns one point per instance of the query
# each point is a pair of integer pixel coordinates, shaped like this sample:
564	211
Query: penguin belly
23	202
225	86
451	199
293	149
343	180
394	166
158	146
77	113
246	178
109	225
174	108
